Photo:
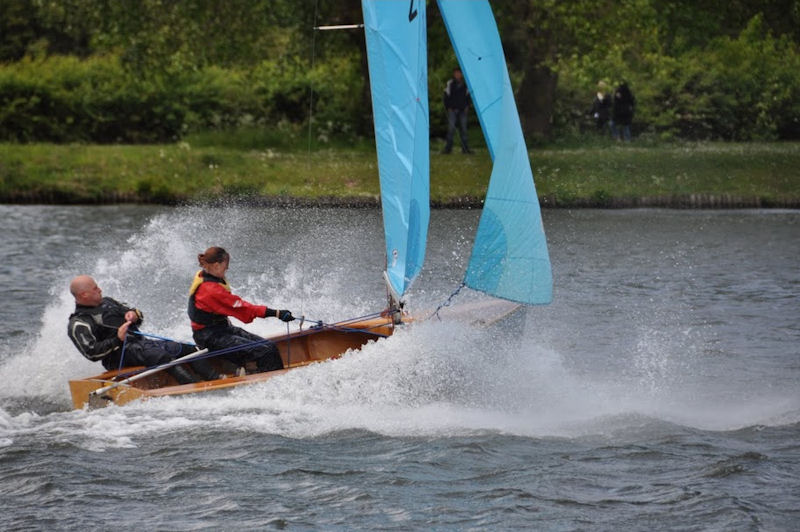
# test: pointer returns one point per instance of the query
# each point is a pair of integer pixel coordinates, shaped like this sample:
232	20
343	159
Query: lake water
660	390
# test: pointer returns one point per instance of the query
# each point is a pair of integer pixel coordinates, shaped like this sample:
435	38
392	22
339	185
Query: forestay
397	55
509	257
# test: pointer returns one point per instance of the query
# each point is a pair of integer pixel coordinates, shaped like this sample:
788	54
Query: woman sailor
211	303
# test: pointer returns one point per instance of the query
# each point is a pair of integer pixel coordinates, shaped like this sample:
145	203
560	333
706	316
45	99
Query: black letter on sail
412	13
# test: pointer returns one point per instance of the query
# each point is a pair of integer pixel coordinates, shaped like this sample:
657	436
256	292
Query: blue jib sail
509	257
398	74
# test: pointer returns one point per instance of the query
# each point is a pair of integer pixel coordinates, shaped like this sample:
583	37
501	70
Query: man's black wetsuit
93	330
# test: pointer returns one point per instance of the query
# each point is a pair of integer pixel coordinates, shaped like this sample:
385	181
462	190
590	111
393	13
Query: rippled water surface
660	390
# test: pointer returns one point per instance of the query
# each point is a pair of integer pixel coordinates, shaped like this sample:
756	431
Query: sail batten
397	56
509	256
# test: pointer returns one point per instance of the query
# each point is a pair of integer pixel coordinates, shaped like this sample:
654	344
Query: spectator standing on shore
456	101
623	109
601	107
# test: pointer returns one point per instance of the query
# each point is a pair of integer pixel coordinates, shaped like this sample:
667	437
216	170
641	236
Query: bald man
100	326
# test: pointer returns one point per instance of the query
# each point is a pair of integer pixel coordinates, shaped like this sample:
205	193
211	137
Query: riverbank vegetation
602	174
105	71
156	101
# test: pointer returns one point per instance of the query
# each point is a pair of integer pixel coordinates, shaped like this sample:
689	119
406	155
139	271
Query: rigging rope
150	335
447	301
220	352
122	354
341	326
141	333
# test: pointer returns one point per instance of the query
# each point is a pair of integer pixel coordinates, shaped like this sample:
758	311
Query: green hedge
64	99
742	88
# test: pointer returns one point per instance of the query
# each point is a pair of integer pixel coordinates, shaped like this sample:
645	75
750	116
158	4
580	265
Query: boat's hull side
297	349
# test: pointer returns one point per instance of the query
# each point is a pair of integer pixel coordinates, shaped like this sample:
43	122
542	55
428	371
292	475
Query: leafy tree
540	35
549	41
34	27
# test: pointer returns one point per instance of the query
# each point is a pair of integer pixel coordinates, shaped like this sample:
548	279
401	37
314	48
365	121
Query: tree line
155	70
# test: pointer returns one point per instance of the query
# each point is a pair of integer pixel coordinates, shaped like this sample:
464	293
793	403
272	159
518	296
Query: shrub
64	99
742	88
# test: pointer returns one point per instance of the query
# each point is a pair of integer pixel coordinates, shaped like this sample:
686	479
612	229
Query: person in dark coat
601	107
623	109
101	326
456	101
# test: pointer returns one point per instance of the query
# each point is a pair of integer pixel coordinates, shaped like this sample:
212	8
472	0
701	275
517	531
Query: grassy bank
700	175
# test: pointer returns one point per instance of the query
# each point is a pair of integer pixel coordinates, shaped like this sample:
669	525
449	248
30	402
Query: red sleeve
212	297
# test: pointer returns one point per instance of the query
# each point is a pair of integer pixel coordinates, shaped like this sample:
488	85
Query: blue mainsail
398	74
509	257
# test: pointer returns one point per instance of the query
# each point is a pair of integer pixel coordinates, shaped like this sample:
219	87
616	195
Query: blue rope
150	335
447	301
122	355
232	349
211	354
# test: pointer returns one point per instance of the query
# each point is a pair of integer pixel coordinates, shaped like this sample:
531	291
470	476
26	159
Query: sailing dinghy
509	258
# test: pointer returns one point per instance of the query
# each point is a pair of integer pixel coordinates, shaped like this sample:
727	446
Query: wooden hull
297	349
